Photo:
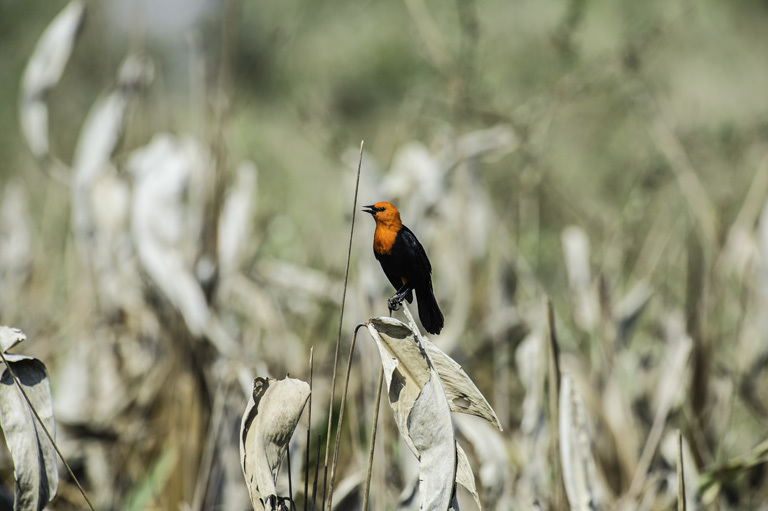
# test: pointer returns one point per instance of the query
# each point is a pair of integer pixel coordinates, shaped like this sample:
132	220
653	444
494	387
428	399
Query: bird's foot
394	303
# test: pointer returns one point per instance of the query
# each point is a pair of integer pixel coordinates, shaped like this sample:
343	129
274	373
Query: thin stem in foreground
341	318
290	478
681	504
553	382
309	430
341	415
317	470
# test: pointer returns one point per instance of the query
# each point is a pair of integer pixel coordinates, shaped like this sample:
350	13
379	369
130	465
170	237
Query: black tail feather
429	311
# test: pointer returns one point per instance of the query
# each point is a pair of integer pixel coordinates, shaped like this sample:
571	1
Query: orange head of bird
385	214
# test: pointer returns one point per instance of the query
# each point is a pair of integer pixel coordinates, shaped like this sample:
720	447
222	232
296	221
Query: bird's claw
394	303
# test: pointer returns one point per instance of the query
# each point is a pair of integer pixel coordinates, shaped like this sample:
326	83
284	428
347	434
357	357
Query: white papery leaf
414	167
34	458
576	251
99	137
43	71
462	393
162	226
500	139
465	476
421	410
10	337
15	237
267	426
490	452
579	469
630	307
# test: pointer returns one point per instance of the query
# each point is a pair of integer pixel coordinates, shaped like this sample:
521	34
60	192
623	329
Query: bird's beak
370	209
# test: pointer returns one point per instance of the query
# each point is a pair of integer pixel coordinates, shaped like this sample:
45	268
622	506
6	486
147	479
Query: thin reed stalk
317	471
341	415
553	381
338	338
309	430
290	478
681	504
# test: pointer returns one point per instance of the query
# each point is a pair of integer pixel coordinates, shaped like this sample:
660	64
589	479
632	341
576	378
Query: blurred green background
645	124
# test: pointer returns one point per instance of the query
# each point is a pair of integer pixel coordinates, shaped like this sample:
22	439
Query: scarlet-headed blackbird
405	264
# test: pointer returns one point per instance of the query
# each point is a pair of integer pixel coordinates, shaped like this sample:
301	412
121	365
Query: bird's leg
394	302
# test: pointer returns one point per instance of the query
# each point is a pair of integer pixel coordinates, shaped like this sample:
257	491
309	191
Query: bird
405	264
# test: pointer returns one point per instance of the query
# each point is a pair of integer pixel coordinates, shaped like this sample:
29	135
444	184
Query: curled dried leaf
267	426
43	71
421	409
34	457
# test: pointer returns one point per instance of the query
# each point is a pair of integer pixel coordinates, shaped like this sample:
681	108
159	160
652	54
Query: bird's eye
378	210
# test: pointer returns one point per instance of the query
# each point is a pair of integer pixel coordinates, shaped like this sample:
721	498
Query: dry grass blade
341	417
309	428
669	389
688	182
711	483
576	252
681	504
553	382
328	499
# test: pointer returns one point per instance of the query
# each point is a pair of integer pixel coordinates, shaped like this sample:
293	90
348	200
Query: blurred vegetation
633	121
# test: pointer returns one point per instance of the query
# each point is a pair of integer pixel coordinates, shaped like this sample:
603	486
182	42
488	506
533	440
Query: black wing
414	263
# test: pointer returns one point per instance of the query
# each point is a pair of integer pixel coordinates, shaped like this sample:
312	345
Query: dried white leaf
497	139
421	410
414	168
763	239
99	137
235	220
576	251
530	359
15	232
301	279
465	476
34	458
462	394
491	452
577	462
10	337
267	426
15	245
163	227
631	306
43	71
